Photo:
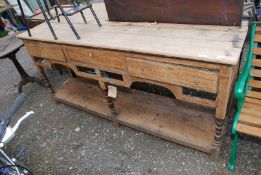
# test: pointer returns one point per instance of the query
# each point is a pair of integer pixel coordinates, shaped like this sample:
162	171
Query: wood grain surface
214	12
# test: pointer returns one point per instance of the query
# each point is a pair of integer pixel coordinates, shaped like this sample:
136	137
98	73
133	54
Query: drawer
77	54
33	48
100	58
53	51
180	75
109	60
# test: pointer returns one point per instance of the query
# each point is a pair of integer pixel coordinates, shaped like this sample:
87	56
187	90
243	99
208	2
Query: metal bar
77	2
47	9
67	19
240	84
83	17
23	15
11	16
18	66
78	10
46	19
233	155
56	12
95	16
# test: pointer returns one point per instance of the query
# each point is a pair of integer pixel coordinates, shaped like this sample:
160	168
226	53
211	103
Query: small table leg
219	131
109	100
24	76
110	104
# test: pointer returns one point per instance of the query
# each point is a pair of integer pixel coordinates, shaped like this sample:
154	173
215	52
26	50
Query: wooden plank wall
210	12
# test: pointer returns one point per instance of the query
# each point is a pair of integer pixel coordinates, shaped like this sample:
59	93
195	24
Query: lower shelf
176	121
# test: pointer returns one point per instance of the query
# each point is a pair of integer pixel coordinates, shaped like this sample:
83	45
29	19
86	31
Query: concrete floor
64	140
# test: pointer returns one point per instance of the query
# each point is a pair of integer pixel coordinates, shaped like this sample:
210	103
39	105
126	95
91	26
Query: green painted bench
248	95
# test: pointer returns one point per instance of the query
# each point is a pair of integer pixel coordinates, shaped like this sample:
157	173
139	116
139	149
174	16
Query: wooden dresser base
167	118
198	65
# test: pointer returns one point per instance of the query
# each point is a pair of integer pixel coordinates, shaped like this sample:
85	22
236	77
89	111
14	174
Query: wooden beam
252	105
249	130
256	62
257	51
250	117
254	84
255	73
254	94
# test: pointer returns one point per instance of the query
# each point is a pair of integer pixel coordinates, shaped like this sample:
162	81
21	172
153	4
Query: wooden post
108	99
219	131
224	105
110	104
224	90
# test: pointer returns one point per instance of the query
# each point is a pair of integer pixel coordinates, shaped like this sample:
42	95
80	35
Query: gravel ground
64	140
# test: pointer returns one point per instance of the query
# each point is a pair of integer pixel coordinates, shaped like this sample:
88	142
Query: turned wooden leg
110	104
109	100
111	107
46	81
220	125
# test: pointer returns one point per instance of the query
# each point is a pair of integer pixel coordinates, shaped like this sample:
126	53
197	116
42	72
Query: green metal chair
248	95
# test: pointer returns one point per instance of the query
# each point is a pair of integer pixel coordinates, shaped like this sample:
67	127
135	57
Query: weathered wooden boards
217	44
217	12
250	118
202	43
124	69
179	122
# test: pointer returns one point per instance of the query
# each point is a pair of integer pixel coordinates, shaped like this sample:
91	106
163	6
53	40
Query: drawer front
53	51
77	54
174	74
109	60
33	48
100	58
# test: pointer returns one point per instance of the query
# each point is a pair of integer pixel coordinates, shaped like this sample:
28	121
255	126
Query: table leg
109	100
219	131
111	107
18	66
24	17
24	76
26	80
110	103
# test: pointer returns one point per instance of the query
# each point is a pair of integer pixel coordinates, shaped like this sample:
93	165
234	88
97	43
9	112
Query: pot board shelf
167	118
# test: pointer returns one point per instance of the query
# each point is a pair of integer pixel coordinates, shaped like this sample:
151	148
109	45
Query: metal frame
76	8
23	15
249	11
241	89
